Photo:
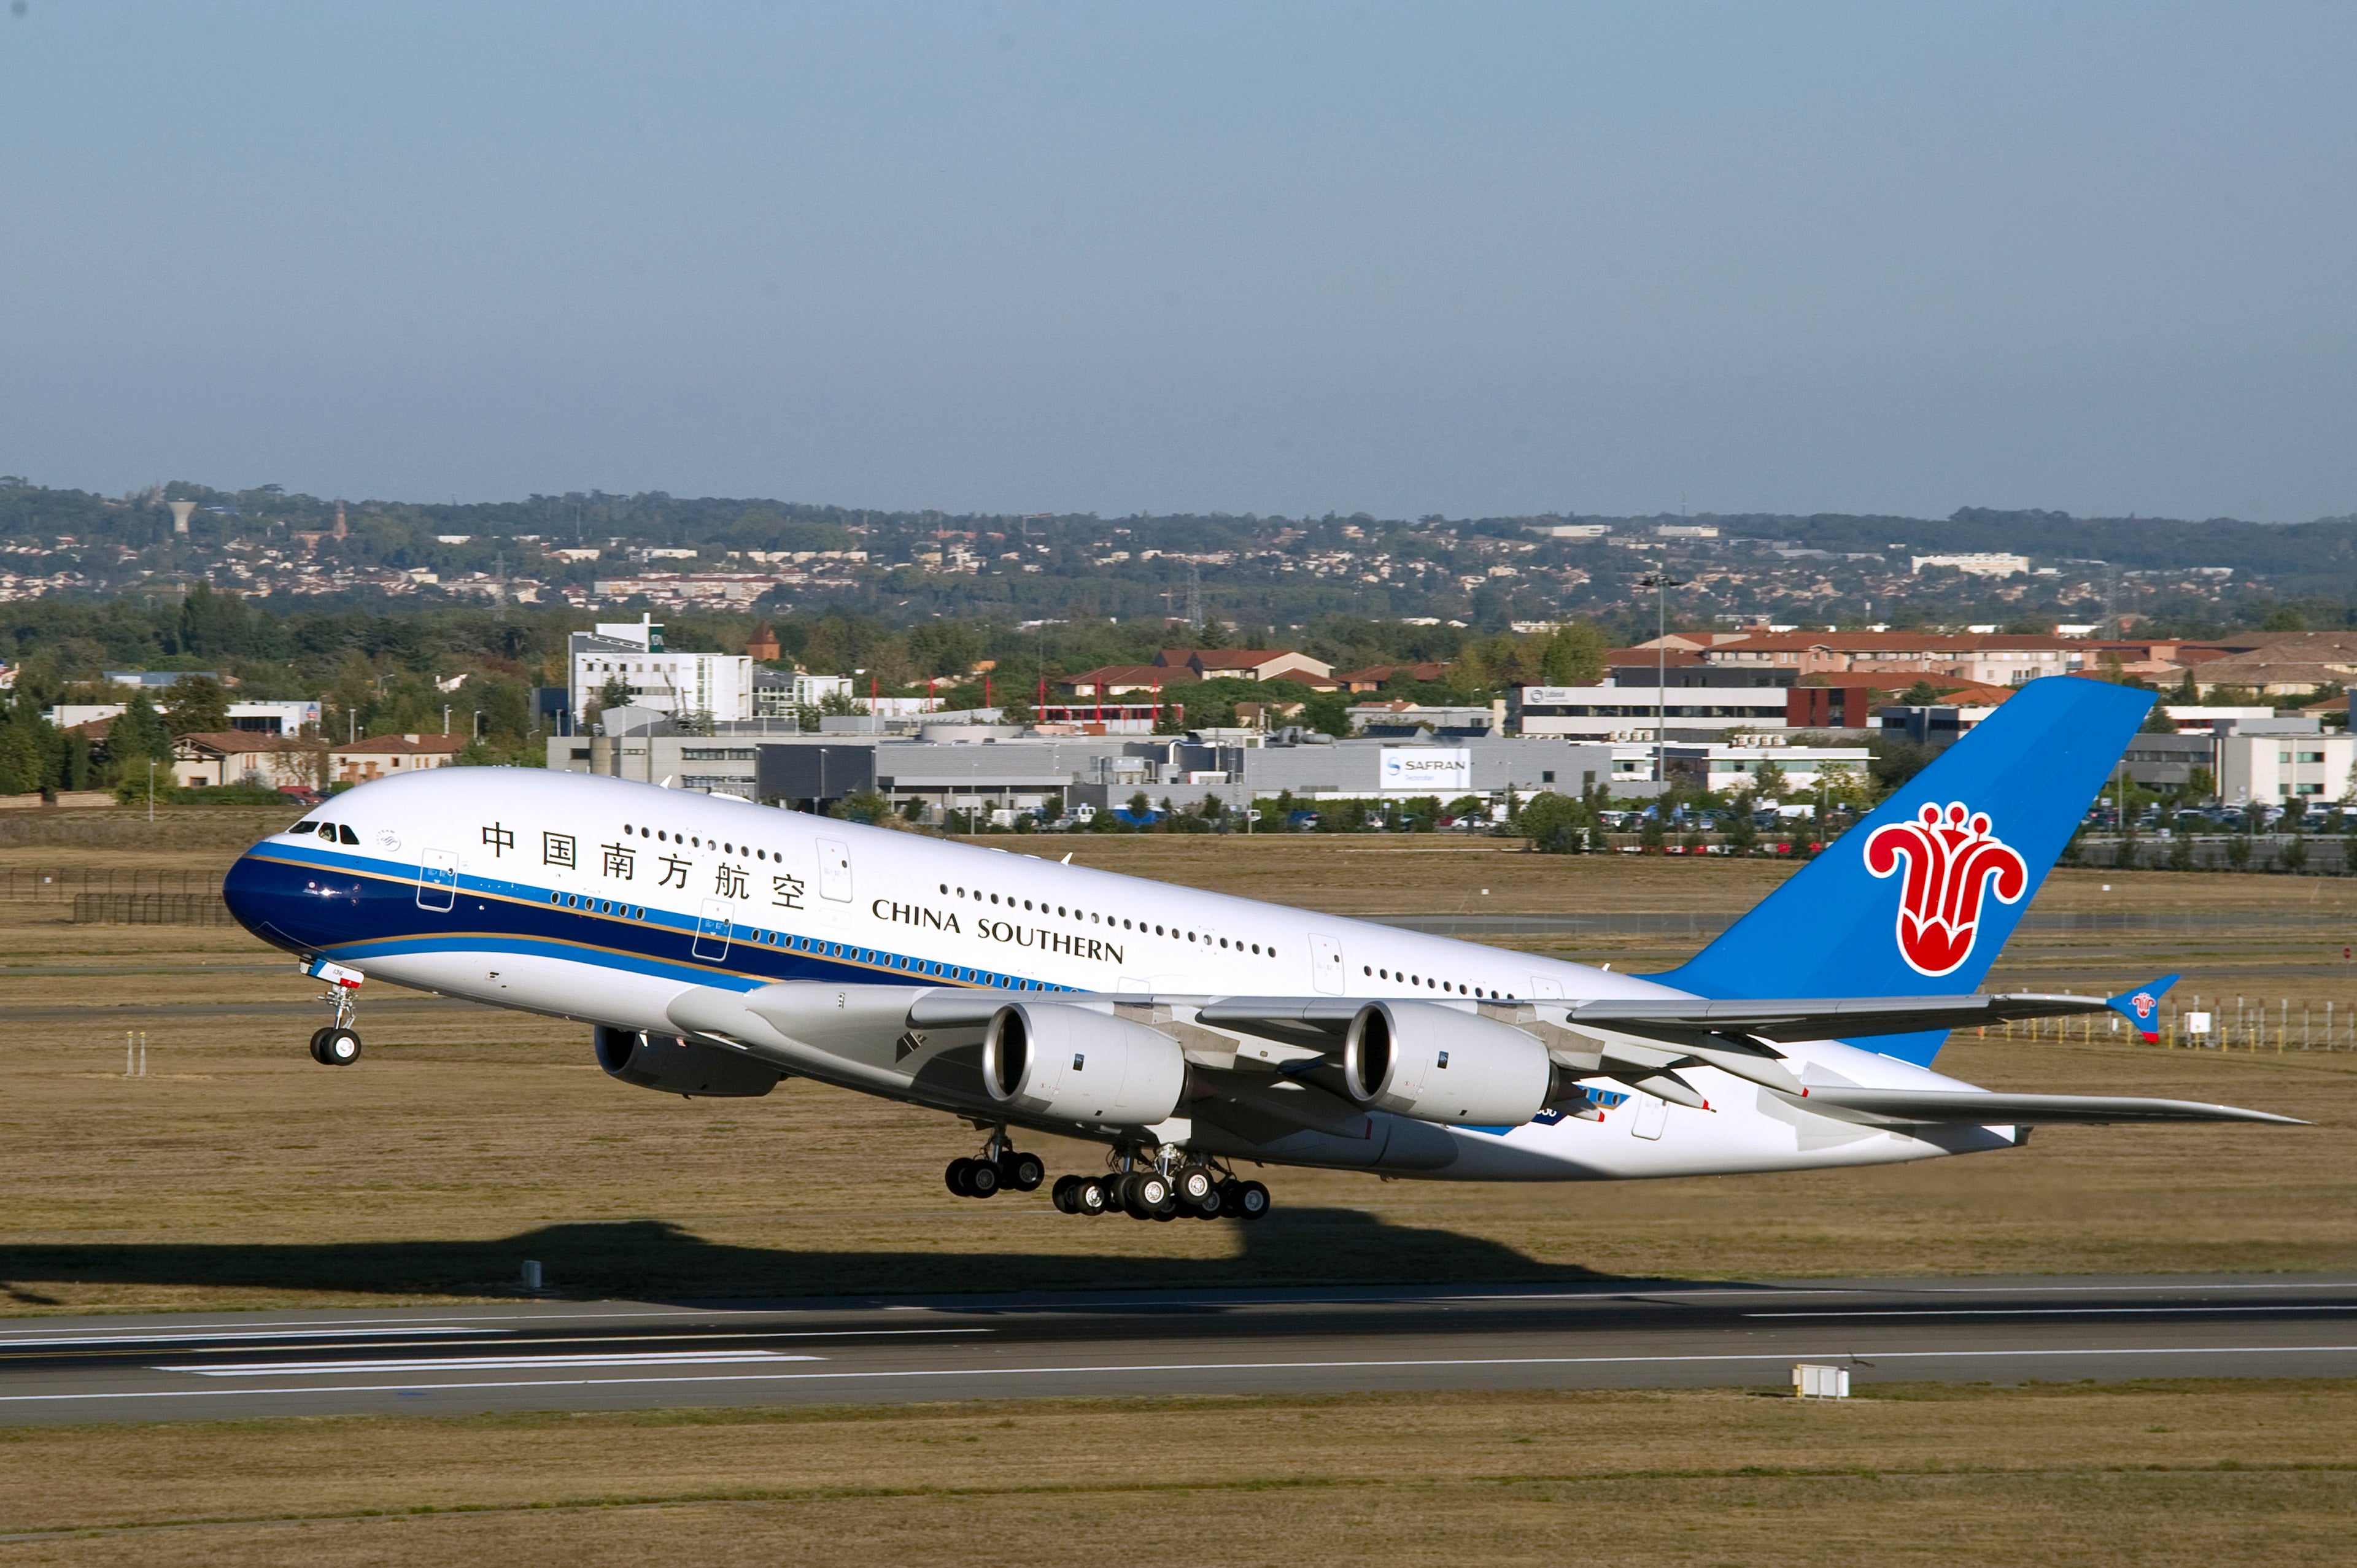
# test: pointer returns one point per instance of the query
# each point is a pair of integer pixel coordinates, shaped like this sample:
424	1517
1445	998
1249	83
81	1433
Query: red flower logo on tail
1953	863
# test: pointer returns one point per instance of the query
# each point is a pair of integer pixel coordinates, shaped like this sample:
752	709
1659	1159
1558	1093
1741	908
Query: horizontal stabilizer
2141	1006
1918	1107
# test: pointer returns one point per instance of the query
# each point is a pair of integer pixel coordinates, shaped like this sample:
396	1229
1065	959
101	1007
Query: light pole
446	718
1661	583
151	792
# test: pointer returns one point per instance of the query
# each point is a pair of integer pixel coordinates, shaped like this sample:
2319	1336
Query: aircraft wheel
1149	1195
338	1048
1023	1173
1060	1195
982	1178
319	1044
1091	1197
1210	1205
1195	1183
953	1176
1252	1202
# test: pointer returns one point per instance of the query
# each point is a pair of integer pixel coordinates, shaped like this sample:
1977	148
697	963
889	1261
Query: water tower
180	511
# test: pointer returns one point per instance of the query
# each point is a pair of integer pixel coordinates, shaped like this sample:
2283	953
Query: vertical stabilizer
1917	900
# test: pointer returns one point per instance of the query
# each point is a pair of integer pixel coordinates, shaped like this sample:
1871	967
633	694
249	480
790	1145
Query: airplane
715	947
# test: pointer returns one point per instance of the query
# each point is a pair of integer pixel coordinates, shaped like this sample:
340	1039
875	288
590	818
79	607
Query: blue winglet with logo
2142	1006
1917	900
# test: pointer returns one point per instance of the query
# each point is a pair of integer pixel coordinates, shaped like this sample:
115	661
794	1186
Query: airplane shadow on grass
651	1260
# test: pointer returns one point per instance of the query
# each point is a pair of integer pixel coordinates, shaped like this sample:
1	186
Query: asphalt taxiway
554	1355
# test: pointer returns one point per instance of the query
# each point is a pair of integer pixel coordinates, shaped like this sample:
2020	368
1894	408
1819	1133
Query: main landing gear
1162	1183
1163	1187
337	1044
1000	1166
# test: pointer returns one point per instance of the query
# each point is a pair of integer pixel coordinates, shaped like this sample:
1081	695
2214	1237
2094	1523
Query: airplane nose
302	908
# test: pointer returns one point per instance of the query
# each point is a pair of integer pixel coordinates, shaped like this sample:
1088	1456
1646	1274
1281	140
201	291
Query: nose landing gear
337	1044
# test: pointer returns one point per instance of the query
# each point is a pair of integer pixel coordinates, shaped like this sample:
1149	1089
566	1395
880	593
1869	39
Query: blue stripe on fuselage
354	906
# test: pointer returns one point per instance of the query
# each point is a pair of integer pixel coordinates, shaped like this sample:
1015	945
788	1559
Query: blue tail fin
1917	900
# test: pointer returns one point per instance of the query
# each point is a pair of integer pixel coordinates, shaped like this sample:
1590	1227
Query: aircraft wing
1319	1021
1827	1018
1914	1107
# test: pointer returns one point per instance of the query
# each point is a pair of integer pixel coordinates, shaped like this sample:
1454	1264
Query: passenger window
350	837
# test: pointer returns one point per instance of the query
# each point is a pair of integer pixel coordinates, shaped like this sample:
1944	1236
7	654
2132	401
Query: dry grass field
239	1173
2156	1475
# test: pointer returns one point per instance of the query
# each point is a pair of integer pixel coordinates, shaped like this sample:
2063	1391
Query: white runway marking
1786	1356
501	1363
2033	1311
194	1336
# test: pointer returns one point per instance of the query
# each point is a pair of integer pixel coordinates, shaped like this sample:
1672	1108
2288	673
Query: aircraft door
1544	986
835	870
1326	964
437	880
712	930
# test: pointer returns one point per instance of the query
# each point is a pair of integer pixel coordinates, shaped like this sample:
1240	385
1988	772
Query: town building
386	755
1251	664
1991	660
215	760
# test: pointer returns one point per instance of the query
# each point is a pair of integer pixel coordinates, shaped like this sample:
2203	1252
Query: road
550	1354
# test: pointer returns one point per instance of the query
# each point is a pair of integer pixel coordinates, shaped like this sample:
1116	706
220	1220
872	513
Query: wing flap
1958	1108
1784	1020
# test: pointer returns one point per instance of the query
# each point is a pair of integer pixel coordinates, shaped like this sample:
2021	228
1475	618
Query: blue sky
1036	257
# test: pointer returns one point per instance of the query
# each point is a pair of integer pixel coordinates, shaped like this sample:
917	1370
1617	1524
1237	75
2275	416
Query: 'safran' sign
1427	769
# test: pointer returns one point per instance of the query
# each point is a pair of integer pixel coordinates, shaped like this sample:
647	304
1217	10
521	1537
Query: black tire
1194	1182
1232	1193
953	1176
1092	1197
319	1044
339	1047
1023	1173
1154	1196
1213	1205
1060	1195
980	1179
1252	1201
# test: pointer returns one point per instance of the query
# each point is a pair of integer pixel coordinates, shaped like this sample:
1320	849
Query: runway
552	1355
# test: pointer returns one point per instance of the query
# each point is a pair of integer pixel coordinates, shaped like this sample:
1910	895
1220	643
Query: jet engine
669	1065
1436	1064
1071	1063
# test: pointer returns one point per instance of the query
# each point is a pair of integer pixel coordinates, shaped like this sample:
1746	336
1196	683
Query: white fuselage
607	901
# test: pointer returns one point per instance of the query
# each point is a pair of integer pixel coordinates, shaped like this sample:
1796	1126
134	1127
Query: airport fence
2233	1024
66	884
150	909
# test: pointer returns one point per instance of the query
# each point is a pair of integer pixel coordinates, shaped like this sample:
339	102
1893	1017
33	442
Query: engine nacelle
1073	1064
669	1065
1436	1064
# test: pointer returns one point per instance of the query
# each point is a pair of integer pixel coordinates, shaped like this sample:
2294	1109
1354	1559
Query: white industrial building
292	717
2305	765
1607	713
718	685
1978	564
